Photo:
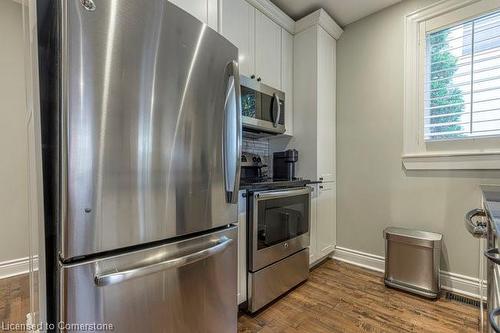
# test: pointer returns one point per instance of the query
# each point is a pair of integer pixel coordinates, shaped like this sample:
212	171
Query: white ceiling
342	11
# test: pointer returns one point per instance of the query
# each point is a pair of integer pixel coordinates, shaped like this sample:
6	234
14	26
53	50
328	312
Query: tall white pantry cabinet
314	118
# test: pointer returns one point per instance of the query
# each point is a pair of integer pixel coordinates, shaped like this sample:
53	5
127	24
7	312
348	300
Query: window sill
459	161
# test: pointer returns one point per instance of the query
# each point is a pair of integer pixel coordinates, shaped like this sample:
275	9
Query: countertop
491	195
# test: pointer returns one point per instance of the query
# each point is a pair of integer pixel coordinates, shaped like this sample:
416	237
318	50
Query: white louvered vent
462	81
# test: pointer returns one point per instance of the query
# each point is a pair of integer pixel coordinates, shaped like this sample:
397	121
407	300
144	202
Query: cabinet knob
258	79
252	76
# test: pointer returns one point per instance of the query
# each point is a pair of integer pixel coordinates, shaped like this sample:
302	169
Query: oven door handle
491	317
281	194
493	255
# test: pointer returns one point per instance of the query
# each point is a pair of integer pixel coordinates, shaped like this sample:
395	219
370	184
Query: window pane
462	86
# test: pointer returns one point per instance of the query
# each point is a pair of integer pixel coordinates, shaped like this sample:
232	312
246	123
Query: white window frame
460	154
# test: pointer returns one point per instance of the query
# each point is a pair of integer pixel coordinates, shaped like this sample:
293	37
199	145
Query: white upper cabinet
326	106
287	77
203	10
267	50
238	26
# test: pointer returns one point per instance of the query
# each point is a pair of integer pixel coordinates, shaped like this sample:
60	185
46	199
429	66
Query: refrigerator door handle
118	276
232	132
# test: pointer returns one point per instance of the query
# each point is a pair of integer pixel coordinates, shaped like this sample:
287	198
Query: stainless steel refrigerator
141	133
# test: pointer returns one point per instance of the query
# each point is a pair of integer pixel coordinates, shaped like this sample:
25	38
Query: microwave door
263	107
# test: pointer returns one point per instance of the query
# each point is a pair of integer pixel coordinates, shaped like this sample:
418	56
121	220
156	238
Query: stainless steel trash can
412	260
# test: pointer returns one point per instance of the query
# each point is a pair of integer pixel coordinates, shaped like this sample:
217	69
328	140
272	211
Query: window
462	86
452	86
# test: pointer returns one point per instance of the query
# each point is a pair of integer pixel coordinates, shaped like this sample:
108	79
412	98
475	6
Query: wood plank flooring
343	298
337	298
14	299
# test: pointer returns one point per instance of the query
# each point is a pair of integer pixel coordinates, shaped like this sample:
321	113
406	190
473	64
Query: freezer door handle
118	276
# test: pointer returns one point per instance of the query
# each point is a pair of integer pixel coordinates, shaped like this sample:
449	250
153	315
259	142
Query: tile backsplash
256	146
261	147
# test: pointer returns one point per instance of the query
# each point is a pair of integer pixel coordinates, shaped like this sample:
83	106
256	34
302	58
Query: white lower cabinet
312	227
323	221
242	248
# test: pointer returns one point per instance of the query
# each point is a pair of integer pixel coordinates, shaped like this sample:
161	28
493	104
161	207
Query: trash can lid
411	233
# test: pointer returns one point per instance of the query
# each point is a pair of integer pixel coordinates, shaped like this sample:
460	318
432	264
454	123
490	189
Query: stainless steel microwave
262	107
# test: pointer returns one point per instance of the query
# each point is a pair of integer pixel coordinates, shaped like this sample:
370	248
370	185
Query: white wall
13	136
374	191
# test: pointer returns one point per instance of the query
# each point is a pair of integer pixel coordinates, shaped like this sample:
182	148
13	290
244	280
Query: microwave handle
277	118
232	133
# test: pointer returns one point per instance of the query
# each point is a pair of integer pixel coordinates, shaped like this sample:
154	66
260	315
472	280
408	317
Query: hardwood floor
14	299
343	298
337	298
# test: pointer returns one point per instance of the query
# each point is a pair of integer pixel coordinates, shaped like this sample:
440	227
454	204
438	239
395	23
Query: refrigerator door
188	286
151	116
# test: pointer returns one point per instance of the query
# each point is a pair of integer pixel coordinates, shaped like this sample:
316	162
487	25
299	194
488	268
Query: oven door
280	222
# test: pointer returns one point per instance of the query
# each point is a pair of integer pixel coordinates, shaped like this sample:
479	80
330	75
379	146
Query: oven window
282	219
248	102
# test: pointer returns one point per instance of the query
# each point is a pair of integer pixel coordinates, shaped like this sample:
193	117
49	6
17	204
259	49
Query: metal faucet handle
475	222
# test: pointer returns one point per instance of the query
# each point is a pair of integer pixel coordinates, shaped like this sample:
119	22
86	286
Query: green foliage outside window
442	92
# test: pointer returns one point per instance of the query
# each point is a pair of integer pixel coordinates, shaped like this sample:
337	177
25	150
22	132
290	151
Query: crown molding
274	13
321	18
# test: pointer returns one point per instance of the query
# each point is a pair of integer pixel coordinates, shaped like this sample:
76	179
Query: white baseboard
15	267
460	284
358	258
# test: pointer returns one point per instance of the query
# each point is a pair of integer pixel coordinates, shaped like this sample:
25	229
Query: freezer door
188	286
150	113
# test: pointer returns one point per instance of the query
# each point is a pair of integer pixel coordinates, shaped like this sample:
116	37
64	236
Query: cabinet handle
258	79
321	187
252	76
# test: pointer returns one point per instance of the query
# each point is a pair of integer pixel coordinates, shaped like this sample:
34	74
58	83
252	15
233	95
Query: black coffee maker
284	164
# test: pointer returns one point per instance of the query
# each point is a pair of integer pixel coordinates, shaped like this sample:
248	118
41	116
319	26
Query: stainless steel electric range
278	221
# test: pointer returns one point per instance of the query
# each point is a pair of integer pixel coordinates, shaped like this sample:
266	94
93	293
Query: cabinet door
242	249
326	227
312	228
287	78
326	106
203	10
267	50
238	26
